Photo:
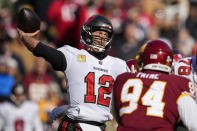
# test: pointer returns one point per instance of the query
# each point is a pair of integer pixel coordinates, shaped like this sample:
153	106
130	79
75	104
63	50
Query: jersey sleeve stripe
184	94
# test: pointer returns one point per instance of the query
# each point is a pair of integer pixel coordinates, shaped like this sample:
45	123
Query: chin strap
99	49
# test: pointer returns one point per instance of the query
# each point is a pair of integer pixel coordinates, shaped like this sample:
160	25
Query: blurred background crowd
134	22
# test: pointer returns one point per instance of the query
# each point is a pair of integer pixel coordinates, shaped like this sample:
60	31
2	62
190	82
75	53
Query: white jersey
90	83
187	68
22	118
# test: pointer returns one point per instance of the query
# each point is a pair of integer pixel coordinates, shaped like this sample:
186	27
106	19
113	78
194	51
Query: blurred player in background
90	73
154	99
19	114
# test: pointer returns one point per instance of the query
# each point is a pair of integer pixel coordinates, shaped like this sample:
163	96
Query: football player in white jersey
90	73
187	67
19	114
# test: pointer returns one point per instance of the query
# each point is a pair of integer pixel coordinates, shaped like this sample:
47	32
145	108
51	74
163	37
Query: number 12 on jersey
90	96
152	98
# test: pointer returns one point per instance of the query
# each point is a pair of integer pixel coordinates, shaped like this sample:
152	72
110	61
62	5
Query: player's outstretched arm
54	57
28	25
28	39
188	112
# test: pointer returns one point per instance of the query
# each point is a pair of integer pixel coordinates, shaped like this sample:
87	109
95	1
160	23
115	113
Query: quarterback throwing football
90	73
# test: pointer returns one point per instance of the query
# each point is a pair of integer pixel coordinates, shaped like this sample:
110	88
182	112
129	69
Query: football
28	21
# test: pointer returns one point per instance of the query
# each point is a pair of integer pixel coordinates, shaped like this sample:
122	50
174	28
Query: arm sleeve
54	57
187	109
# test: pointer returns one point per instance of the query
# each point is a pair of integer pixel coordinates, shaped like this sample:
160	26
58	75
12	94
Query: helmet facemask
97	41
100	40
139	57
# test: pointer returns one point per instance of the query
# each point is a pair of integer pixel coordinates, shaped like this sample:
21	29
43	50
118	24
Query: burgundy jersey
132	64
147	101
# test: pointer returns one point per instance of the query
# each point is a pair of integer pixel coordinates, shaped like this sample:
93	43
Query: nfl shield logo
100	62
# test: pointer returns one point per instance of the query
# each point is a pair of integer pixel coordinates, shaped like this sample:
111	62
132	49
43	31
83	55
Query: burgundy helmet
157	56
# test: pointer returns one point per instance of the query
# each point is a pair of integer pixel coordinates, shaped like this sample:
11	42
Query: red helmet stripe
88	20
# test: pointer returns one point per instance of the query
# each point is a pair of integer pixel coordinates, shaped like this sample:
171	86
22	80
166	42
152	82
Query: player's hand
28	39
23	34
56	113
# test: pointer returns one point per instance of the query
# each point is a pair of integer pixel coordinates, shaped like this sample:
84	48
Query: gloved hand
57	112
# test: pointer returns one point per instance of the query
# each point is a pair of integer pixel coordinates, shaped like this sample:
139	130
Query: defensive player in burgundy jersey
153	99
90	73
19	114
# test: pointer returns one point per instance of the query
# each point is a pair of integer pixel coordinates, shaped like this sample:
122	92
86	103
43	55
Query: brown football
28	21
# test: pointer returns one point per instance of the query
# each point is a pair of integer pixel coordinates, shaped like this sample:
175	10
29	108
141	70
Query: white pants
88	127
